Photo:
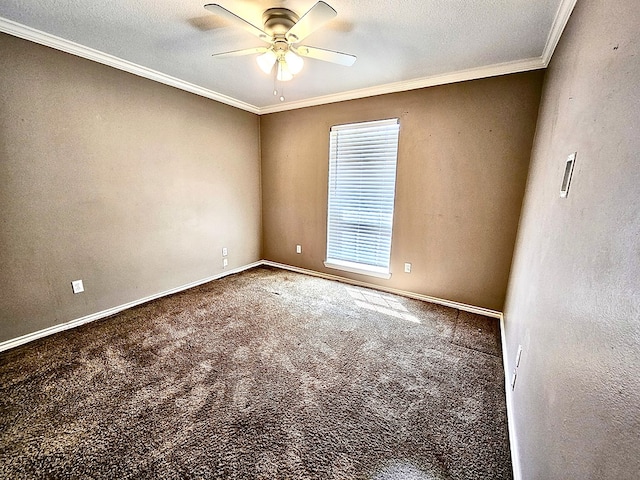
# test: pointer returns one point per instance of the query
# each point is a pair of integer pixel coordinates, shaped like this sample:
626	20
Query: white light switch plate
407	268
518	356
568	173
298	248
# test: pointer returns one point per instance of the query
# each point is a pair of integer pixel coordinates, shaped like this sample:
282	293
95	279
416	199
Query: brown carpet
263	374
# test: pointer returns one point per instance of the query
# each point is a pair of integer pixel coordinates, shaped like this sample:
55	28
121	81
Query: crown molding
453	77
48	40
559	23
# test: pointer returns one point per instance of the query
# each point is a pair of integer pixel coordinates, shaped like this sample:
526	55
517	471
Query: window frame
378	183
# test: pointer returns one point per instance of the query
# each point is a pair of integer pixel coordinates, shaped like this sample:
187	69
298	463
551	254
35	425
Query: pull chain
275	84
275	80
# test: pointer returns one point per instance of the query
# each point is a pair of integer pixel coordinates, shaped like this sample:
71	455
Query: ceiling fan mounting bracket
278	21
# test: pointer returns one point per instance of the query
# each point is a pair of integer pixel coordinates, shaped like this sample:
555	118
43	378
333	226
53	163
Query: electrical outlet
77	286
298	248
225	252
407	268
225	263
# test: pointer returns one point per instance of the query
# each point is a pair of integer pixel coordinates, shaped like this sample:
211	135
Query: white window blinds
362	181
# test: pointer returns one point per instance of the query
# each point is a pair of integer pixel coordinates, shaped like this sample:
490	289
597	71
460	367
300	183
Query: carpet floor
263	374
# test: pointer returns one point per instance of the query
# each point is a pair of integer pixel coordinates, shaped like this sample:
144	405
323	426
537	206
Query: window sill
358	268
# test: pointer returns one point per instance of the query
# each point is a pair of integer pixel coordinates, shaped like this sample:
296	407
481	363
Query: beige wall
135	187
574	294
125	183
463	156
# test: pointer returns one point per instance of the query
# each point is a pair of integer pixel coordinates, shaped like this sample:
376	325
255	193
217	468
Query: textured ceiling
398	43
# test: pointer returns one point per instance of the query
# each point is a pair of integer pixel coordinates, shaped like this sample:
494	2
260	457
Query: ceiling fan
283	31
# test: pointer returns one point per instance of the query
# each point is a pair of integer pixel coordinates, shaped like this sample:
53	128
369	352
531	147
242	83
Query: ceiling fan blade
317	16
239	21
239	53
326	55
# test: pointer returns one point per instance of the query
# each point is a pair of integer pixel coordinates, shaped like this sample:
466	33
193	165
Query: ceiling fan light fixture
294	62
266	61
283	30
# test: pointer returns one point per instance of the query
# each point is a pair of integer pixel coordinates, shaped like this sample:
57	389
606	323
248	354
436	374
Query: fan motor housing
278	21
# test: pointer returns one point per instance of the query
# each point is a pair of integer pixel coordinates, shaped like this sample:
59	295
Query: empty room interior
181	294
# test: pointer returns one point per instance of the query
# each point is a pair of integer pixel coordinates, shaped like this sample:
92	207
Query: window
362	184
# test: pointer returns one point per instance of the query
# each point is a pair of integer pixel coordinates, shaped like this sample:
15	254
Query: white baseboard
513	443
417	296
15	342
513	439
29	337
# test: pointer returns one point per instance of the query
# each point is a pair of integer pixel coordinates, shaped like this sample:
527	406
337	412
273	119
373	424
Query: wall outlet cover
407	268
298	248
225	252
77	286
